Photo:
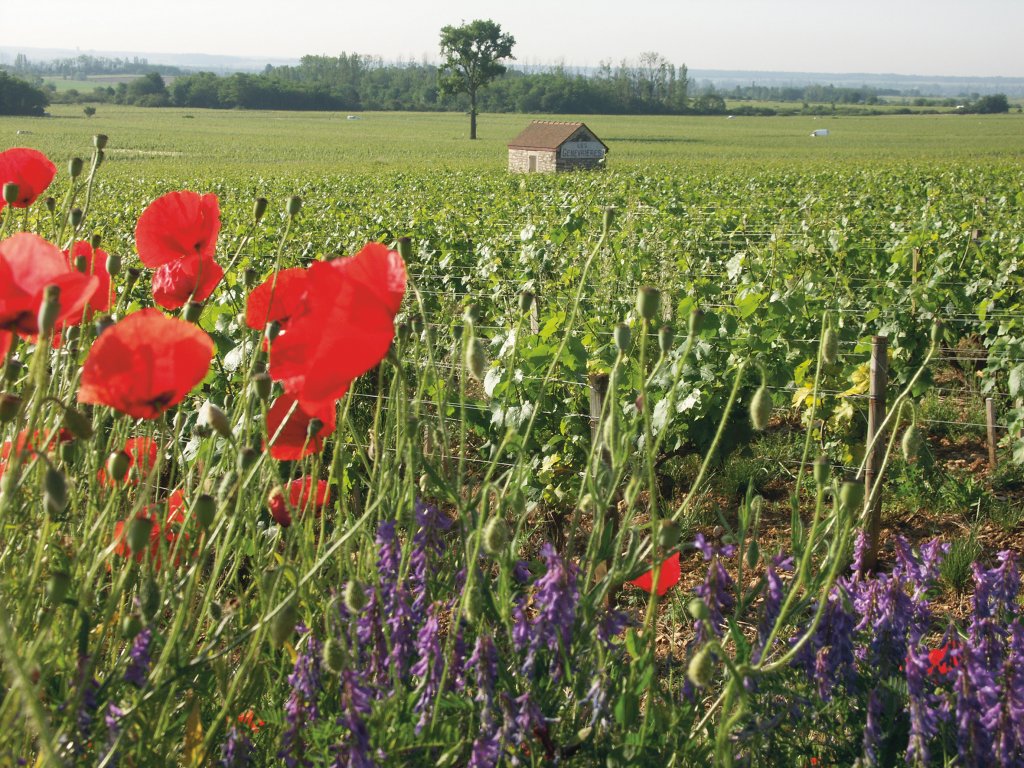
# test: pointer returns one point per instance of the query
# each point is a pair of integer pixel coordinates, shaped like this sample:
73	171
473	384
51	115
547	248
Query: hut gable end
550	146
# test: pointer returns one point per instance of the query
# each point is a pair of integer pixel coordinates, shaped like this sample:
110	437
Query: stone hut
550	147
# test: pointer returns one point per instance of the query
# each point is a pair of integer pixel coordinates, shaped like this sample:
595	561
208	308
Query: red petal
30	169
177	225
145	364
96	264
192	278
668	577
291	442
277	298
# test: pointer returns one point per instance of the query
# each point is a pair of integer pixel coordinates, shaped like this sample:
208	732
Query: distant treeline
83	66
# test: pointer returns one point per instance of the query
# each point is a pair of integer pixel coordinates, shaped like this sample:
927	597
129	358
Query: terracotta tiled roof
546	134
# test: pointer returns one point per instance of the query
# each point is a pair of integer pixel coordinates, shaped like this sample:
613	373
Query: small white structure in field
353	117
820	132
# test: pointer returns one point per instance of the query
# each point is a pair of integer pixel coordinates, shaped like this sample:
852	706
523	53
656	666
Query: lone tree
472	58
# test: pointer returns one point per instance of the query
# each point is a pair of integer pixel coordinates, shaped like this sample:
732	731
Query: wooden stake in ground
598	392
990	422
879	373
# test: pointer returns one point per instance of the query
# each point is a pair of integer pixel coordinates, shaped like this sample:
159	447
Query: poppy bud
851	496
58	585
294	205
700	668
139	531
259	207
68	452
76	217
216	611
9	406
355	596
665	338
273	330
609	217
250	277
149	597
192	312
936	331
262	385
131	625
81	264
134	273
416	323
668	534
830	346
696	321
49	309
75	165
496	535
118	464
213	417
77	423
822	471
639	403
95	240
753	554
525	300
760	408
698	609
10	193
424	483
12	370
102	323
402	332
314	427
282	627
622	337
99	140
205	509
405	248
51	204
113	264
474	603
647	301
55	490
912	442
247	456
476	361
333	655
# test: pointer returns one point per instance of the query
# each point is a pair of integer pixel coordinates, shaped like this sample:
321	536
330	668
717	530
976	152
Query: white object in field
820	132
353	117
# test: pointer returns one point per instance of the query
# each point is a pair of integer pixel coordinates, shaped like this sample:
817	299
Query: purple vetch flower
236	752
872	730
555	598
427	543
429	666
484	664
597	698
113	722
610	625
521	571
927	709
89	692
717	588
520	625
138	659
773	596
973	741
301	707
355	701
486	750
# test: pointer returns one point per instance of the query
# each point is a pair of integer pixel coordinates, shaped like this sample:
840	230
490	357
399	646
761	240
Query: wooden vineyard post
990	423
535	311
879	373
598	388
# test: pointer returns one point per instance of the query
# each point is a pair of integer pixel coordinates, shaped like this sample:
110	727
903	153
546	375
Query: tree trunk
472	114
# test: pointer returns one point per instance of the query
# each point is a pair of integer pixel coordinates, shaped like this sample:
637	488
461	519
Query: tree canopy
472	56
20	98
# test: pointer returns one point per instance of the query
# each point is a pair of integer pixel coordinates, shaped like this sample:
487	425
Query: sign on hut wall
578	150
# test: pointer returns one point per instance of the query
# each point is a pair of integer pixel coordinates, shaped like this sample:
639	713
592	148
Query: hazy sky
927	37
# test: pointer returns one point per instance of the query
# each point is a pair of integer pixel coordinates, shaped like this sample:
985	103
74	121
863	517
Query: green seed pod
12	370
622	336
314	427
9	407
55	490
700	668
936	331
760	408
822	471
77	423
496	535
696	321
99	158
698	609
51	204
102	323
294	205
830	346
49	309
259	207
665	338
647	301
851	497
150	598
58	584
214	418
75	165
753	554
756	506
609	217
334	656
912	442
118	464
192	312
668	534
96	240
131	625
81	264
476	360
77	214
282	626
247	457
10	193
205	509
139	530
525	301
474	609
405	248
402	333
273	330
355	596
113	264
262	386
99	140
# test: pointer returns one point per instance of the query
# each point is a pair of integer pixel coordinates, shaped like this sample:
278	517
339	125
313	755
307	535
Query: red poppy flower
301	495
279	297
249	720
345	327
146	363
166	529
941	661
668	577
142	454
30	169
95	264
28	264
191	278
177	225
292	441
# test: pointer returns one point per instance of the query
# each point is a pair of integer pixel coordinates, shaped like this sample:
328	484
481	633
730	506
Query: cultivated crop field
328	442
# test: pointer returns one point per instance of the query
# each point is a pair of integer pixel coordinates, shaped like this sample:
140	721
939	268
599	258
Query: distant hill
191	61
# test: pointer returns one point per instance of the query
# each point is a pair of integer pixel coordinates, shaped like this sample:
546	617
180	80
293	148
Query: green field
177	143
